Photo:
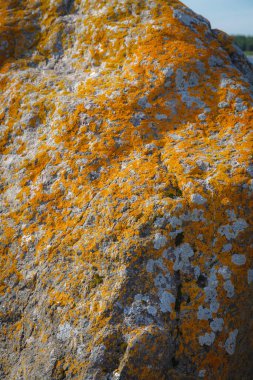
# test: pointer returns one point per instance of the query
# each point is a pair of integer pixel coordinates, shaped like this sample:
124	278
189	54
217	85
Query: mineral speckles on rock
126	193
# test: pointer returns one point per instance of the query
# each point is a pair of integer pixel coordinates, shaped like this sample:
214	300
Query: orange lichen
121	122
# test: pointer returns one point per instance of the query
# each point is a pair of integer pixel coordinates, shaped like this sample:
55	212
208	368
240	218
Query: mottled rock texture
126	193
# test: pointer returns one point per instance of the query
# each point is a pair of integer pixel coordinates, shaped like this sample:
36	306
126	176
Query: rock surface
126	193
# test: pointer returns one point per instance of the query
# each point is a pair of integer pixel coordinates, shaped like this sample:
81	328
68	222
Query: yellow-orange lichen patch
126	192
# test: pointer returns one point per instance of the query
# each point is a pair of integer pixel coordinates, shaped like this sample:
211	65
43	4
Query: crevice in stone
202	281
179	239
69	5
58	372
174	362
66	7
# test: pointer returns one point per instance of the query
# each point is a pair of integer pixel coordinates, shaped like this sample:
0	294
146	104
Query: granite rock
126	248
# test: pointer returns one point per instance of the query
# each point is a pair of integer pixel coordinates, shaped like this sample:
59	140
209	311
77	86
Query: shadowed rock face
126	194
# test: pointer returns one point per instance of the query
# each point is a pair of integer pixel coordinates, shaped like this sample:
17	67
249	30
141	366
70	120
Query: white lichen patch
204	314
152	264
163	282
198	199
183	253
202	373
207	339
161	116
230	289
152	310
250	276
64	331
140	311
238	259
159	241
227	247
211	291
231	231
230	343
217	324
225	272
166	301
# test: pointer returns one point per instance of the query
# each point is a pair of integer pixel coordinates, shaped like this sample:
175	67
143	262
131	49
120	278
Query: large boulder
126	193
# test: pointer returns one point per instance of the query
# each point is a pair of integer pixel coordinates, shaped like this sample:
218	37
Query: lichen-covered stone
126	193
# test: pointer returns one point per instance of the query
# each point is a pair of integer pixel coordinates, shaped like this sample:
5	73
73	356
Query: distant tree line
244	42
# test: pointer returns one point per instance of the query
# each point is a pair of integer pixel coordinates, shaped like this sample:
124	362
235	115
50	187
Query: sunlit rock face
126	193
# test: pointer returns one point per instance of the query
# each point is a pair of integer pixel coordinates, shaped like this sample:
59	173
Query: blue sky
231	16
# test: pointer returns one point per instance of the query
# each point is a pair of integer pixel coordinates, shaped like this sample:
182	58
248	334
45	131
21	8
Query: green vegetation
245	43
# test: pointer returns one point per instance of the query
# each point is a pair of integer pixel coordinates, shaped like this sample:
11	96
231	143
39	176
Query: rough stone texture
126	193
